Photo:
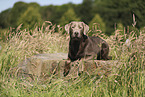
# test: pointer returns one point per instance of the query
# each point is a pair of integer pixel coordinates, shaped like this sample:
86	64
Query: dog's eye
80	27
73	26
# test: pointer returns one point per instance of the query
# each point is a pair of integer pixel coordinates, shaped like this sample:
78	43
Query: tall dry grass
127	81
25	43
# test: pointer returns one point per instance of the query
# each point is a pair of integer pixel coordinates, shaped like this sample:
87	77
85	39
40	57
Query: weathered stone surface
92	67
42	65
48	65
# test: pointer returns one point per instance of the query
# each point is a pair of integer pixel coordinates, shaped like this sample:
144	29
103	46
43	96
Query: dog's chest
74	45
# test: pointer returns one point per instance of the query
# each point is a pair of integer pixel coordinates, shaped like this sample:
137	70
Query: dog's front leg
80	54
67	67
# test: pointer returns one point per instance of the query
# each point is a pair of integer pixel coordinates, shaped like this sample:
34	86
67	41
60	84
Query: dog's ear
67	27
86	28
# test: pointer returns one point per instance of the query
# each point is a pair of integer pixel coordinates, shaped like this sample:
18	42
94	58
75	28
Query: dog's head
76	29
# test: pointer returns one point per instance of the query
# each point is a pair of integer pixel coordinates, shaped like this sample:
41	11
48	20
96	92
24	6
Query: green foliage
98	20
68	16
48	12
111	11
18	9
5	19
134	30
120	26
85	11
30	17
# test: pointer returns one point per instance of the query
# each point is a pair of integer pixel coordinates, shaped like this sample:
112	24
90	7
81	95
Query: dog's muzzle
76	35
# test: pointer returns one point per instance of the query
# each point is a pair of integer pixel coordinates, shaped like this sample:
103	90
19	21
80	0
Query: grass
129	80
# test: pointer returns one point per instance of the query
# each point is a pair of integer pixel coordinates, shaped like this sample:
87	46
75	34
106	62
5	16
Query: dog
83	46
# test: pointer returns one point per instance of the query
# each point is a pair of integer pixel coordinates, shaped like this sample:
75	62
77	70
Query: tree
114	12
30	17
98	19
5	19
18	9
47	12
68	16
85	11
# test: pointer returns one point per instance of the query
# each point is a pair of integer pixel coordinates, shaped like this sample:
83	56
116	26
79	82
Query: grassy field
129	80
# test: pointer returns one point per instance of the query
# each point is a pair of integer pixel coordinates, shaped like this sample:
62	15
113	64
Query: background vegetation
109	13
22	37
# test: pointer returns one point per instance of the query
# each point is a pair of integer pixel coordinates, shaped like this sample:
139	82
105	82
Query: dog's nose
76	33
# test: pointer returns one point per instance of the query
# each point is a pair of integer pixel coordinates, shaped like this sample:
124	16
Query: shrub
29	18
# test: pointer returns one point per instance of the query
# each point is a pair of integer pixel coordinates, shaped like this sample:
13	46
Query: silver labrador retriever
82	46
